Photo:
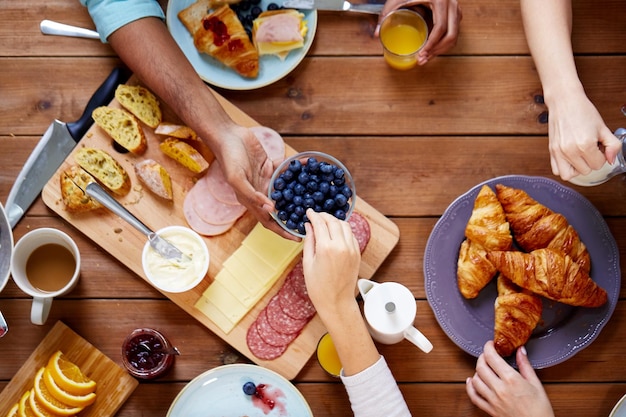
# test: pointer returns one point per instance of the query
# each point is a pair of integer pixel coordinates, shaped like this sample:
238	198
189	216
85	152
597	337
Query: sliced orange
64	396
68	375
38	409
47	400
24	409
13	411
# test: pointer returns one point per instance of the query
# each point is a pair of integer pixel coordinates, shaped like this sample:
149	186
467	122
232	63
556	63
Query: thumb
612	146
525	368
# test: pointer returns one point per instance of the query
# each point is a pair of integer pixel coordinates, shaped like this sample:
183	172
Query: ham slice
199	225
210	209
271	141
281	28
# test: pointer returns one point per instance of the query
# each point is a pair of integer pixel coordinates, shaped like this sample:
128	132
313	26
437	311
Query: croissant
535	226
487	229
221	35
550	273
517	313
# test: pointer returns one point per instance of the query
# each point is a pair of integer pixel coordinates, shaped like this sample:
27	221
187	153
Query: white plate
620	408
219	392
271	68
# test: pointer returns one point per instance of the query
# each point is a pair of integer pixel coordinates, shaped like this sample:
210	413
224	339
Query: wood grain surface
415	141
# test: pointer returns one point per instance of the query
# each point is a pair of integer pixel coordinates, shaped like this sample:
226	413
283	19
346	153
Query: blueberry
308	202
329	204
288	194
256	11
318	196
312	186
294	217
298	200
299	189
303	178
273	6
290	208
280	183
339	173
282	215
287	175
295	165
291	225
249	388
312	165
276	195
324	187
244	5
326	168
301	228
340	200
333	191
299	211
346	190
340	214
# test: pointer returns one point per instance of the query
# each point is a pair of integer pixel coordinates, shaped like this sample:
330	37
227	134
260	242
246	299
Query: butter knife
334	5
49	27
162	246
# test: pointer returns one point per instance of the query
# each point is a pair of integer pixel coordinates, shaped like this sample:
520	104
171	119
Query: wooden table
414	140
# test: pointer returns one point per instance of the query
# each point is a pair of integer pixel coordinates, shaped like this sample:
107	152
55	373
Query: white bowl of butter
177	276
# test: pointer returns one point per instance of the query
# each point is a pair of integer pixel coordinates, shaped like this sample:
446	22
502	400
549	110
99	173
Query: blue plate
219	392
563	330
271	68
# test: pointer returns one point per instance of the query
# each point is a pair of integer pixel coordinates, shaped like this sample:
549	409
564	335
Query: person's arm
147	48
331	260
501	391
445	31
575	126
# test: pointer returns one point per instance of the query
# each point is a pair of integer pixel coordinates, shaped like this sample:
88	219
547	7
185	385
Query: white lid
390	307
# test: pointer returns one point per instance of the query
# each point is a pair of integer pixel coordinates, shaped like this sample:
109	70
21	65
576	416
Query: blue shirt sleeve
110	15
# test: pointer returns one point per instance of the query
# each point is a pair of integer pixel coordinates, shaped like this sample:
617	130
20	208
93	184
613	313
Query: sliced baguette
141	102
105	169
184	154
154	176
176	131
123	127
74	180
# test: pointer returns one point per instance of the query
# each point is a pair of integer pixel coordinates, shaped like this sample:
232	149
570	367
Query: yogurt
172	275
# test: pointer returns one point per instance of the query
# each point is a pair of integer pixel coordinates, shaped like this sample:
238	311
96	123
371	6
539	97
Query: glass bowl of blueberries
310	180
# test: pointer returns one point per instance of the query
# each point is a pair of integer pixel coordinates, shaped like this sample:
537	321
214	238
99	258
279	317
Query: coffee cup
45	264
390	312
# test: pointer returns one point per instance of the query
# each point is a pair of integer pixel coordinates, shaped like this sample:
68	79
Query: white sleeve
374	392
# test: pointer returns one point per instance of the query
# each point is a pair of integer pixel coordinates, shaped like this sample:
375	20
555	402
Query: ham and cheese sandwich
277	32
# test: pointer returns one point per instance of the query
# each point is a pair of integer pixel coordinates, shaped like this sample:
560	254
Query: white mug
390	312
61	271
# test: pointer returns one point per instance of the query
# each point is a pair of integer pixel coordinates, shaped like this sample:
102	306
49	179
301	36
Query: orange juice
403	33
327	356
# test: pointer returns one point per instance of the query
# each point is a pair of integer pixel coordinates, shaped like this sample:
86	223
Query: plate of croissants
522	260
241	44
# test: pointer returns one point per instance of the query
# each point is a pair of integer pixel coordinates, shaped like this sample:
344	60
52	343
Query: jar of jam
145	353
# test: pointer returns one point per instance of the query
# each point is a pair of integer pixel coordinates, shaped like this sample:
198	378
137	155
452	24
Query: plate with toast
563	329
232	61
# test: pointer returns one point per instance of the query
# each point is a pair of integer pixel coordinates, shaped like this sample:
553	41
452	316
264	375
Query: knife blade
162	246
52	149
48	27
334	5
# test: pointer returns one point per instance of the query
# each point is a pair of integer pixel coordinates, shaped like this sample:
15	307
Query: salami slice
260	348
280	321
271	141
296	276
361	229
197	224
217	184
269	334
293	304
210	209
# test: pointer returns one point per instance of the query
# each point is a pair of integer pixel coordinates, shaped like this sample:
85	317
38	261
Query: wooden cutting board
113	384
125	243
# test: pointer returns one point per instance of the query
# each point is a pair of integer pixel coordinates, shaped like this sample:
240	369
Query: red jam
142	354
219	29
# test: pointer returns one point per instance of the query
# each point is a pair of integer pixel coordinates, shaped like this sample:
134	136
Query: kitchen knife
162	246
336	5
53	147
48	27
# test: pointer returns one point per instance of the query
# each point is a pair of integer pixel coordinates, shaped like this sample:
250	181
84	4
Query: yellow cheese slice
242	273
214	314
226	302
273	249
232	284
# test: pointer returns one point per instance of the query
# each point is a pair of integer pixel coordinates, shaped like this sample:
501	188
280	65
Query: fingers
524	366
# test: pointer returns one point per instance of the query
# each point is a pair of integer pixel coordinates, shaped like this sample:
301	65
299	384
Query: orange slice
38	409
13	411
64	396
47	400
24	409
68	375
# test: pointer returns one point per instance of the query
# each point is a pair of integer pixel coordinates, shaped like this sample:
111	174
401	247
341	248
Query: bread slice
140	102
221	35
154	176
176	131
105	169
184	154
123	127
74	180
278	32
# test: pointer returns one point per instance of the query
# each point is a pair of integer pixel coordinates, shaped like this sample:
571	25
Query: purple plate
564	330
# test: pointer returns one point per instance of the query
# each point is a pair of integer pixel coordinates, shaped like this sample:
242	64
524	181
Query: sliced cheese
243	294
270	247
277	32
242	273
225	301
214	314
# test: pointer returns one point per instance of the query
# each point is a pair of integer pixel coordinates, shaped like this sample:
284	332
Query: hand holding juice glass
403	33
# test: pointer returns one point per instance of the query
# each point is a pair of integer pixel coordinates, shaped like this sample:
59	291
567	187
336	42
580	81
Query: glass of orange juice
403	33
327	356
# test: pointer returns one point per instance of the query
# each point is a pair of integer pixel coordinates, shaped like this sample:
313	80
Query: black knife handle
103	96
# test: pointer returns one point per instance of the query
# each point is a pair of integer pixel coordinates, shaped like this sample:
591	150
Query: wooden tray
125	243
114	384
